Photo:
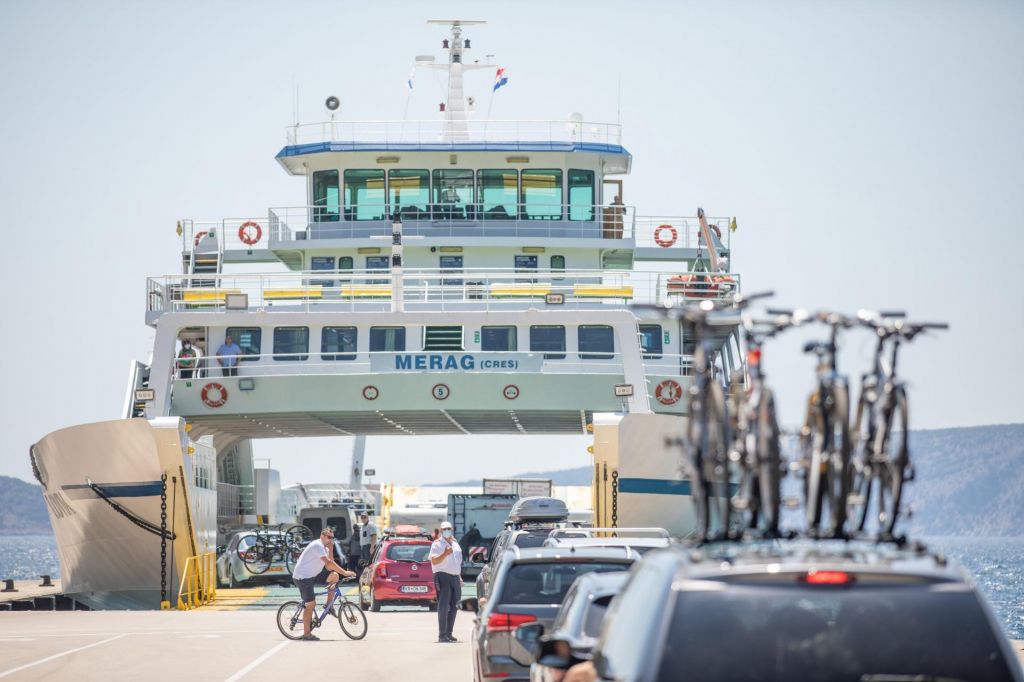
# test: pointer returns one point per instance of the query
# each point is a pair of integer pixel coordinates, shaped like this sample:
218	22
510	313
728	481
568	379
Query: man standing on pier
446	557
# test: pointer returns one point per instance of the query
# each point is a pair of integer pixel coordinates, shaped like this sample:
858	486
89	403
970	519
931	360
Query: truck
476	520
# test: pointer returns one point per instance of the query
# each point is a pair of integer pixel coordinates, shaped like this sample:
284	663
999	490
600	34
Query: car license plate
275	569
414	588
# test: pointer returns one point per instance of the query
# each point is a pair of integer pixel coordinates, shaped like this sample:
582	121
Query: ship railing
681	232
435	289
235	500
442	133
321	361
198	581
296	223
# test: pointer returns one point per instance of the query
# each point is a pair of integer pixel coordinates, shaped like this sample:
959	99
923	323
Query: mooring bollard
46	581
8	586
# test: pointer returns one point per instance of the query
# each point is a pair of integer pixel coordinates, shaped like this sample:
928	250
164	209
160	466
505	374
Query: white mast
455	108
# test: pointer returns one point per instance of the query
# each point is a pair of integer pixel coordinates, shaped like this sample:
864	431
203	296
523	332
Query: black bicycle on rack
881	456
281	544
825	435
756	446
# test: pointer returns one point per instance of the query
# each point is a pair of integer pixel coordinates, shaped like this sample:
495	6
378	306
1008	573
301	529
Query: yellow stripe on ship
299	292
598	291
519	290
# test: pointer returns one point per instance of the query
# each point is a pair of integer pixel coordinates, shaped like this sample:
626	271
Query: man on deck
227	356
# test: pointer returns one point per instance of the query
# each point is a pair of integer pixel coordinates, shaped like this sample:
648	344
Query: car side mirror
528	634
472	604
478	558
555	653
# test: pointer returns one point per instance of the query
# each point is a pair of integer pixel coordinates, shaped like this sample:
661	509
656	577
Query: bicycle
825	435
350	616
756	446
279	544
881	457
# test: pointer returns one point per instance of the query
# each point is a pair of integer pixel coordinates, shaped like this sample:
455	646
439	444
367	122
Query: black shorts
306	591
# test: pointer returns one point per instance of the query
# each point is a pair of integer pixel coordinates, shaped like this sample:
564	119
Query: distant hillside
23	511
969	481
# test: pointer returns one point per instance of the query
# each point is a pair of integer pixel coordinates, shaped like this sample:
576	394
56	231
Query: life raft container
700	285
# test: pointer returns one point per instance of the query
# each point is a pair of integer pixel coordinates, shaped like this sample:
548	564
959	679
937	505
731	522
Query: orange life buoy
718	233
246	236
665	243
214	395
668	392
199	237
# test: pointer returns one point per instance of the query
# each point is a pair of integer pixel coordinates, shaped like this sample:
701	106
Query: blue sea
997	565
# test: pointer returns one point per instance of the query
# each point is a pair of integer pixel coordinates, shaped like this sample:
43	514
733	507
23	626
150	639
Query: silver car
232	571
528	587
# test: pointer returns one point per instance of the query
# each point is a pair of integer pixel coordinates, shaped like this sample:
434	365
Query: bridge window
548	339
453	194
291	344
326	196
325	264
409	193
581	195
558	265
451	265
364	195
387	339
650	340
596	342
542	194
377	264
498	194
338	343
498	339
248	339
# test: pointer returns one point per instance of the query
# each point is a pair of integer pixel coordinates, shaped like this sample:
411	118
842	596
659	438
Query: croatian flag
500	78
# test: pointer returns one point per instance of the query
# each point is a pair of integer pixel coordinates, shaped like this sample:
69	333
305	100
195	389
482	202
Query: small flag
412	72
500	78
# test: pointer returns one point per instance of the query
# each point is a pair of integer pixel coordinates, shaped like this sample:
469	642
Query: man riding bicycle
313	559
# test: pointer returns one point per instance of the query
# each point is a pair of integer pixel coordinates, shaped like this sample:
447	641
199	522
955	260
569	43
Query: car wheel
374	604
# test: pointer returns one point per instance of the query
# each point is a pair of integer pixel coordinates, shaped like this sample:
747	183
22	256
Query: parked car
801	611
529	587
232	571
575	630
529	522
399	574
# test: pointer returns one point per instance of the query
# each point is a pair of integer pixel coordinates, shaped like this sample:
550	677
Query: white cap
445	525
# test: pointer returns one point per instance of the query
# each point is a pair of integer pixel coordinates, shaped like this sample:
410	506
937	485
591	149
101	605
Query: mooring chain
615	500
163	536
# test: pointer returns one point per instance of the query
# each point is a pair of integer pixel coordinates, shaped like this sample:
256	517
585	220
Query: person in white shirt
312	560
367	539
446	558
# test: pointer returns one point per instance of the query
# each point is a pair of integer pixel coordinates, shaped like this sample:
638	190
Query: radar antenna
455	108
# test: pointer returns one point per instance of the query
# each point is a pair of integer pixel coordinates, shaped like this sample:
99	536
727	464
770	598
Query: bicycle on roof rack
881	456
756	442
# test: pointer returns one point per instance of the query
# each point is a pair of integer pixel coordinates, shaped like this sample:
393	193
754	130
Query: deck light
236	301
533	249
248	384
554	299
450	249
623	390
517	159
143	395
387	159
368	249
444	44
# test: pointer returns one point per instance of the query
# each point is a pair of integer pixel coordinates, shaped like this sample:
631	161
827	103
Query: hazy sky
873	153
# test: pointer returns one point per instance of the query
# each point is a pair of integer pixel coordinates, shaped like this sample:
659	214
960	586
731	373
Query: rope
137	520
35	467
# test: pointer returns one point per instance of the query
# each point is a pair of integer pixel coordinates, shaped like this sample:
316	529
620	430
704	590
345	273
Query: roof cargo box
538	509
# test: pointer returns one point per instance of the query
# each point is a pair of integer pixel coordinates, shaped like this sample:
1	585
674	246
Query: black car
575	630
801	611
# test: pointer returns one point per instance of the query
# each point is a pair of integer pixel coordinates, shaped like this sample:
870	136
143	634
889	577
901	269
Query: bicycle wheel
716	460
862	468
693	469
256	556
893	467
837	475
352	620
297	536
769	463
811	443
289	619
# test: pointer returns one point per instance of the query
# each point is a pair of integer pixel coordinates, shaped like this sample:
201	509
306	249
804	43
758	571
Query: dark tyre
862	469
716	461
352	620
257	557
289	619
769	464
297	537
893	470
374	604
693	470
837	475
432	606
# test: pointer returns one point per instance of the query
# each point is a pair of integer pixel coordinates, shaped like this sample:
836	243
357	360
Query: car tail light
828	578
506	622
382	570
754	357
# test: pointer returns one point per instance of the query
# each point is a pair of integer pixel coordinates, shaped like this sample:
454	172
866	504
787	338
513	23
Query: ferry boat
448	276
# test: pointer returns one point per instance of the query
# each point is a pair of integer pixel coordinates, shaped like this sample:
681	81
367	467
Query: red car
399	574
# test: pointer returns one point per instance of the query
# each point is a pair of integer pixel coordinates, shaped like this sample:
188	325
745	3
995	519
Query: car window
526	540
568	605
246	541
811	633
547	582
499	545
408	552
594	616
